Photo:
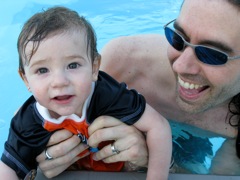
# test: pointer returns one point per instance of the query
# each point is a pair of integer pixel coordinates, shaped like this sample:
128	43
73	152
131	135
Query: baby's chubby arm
159	142
7	172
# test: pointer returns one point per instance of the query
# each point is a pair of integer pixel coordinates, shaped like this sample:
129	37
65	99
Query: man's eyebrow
216	44
178	27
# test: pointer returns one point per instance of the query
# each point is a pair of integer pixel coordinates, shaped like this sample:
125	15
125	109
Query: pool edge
90	175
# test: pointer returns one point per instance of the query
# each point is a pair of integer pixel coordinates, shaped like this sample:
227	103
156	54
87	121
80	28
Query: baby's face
60	73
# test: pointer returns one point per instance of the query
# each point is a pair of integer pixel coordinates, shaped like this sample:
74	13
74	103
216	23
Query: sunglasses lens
210	56
174	39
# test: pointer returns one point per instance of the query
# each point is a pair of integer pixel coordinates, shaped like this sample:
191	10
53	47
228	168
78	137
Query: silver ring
48	156
114	150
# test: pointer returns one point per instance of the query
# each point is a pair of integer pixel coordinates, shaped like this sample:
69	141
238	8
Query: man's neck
214	120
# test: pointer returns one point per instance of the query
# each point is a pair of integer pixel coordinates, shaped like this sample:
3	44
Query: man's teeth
188	85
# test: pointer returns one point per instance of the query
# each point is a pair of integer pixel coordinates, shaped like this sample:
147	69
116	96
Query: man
190	84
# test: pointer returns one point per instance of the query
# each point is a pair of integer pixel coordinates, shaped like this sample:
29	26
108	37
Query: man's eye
73	65
42	70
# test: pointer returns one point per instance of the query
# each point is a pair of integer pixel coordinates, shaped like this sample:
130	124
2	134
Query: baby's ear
96	66
24	78
21	74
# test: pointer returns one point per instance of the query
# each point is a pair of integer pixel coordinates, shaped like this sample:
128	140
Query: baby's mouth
65	97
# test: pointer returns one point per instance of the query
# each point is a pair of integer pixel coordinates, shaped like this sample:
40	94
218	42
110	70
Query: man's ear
24	78
96	66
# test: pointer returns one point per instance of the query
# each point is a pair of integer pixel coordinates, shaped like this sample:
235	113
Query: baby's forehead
62	33
65	41
79	31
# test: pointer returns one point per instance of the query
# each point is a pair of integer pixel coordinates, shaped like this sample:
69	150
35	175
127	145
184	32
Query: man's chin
190	108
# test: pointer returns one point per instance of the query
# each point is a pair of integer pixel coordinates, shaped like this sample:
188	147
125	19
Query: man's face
215	24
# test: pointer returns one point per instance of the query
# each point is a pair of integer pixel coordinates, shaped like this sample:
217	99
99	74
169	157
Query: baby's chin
55	115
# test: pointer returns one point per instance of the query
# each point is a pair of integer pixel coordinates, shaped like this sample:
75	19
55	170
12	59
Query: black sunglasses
205	54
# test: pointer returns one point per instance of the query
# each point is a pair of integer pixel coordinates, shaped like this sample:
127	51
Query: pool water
109	18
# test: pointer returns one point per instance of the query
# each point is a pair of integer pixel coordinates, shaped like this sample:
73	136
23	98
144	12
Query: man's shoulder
129	57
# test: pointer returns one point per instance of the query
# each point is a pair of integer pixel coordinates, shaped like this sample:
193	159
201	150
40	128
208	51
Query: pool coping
90	175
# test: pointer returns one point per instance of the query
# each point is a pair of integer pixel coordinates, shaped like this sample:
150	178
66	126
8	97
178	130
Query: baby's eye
73	66
42	70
